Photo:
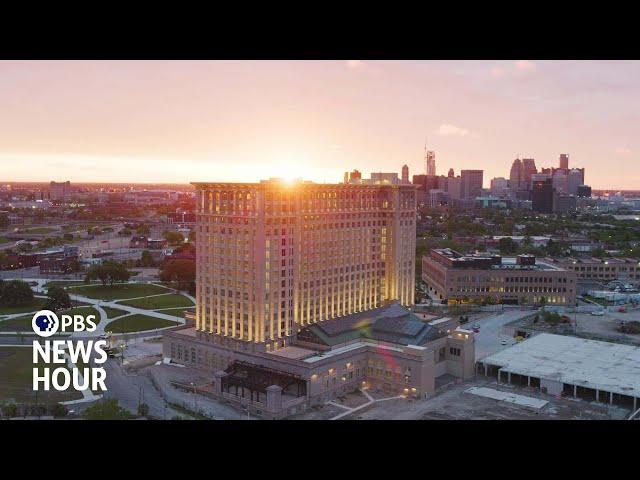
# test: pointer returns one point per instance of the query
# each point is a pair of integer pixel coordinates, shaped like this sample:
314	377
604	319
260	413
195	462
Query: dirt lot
453	403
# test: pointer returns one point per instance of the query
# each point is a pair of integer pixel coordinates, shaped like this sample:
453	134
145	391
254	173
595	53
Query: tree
108	273
143	229
25	247
10	410
143	409
4	221
173	238
180	272
507	246
146	260
59	410
15	293
68	236
106	410
58	299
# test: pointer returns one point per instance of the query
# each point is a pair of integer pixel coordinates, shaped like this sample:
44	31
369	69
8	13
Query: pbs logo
45	323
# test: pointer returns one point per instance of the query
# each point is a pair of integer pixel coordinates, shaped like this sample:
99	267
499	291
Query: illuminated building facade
301	296
273	257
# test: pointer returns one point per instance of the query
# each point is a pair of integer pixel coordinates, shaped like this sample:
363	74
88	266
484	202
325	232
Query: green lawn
137	323
118	291
114	312
16	372
176	312
23	324
4	239
164	301
34	306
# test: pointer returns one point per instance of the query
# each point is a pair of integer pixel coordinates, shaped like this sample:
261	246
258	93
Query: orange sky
181	121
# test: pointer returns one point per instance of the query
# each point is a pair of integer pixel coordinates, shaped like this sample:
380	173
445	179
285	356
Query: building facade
604	269
455	278
273	257
471	183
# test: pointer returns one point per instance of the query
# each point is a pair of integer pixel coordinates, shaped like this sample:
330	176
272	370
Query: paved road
129	389
489	339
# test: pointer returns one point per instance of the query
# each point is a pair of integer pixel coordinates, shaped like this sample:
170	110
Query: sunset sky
182	121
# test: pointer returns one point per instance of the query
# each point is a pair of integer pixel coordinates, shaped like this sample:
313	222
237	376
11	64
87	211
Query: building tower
516	174
273	257
471	183
405	174
528	169
564	161
430	161
451	173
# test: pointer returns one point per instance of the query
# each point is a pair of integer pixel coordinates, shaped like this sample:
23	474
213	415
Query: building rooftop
487	261
592	260
591	364
391	323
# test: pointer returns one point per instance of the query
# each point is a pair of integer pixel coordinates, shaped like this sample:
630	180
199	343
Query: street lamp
195	405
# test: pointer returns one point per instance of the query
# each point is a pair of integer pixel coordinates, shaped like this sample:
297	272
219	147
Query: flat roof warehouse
588	364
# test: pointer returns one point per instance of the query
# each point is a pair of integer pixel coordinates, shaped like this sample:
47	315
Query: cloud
355	64
623	151
524	66
447	129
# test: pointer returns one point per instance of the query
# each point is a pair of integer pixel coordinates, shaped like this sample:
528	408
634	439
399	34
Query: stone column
217	382
274	400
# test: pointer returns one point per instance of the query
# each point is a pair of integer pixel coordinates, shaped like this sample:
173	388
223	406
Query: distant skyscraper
430	161
454	187
405	174
499	185
575	178
471	183
528	169
542	195
451	173
564	161
516	174
560	181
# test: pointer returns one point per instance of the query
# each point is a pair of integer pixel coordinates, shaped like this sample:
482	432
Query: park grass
23	324
16	372
176	312
33	306
114	312
137	323
4	239
165	301
117	291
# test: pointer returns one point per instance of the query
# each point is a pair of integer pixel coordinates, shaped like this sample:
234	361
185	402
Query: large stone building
452	277
282	272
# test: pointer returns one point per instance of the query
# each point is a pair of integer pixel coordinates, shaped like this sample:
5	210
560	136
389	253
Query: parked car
503	342
622	310
597	313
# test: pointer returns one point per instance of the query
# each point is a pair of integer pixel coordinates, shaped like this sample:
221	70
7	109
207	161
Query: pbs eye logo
45	323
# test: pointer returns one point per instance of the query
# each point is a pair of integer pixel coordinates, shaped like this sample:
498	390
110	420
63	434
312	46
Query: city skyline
177	122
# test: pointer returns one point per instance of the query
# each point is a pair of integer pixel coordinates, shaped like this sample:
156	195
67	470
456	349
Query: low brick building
452	277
